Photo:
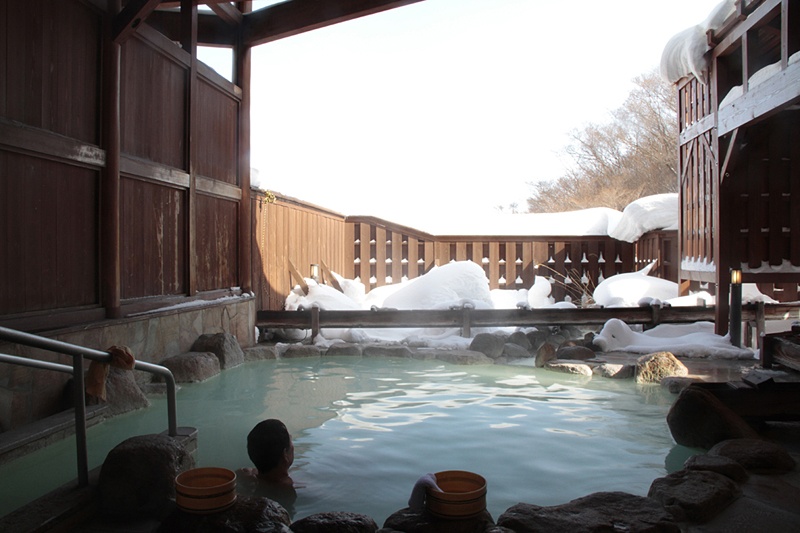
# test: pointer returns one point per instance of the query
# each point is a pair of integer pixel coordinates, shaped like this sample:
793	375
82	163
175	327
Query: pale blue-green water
366	428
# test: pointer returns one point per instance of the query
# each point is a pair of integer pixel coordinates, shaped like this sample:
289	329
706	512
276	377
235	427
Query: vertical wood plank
413	257
494	265
397	257
380	255
511	265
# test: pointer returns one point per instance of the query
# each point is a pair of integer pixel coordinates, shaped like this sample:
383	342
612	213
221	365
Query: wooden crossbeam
329	276
134	13
299	277
228	13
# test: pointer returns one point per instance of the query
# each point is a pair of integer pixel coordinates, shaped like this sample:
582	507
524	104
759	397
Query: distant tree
631	156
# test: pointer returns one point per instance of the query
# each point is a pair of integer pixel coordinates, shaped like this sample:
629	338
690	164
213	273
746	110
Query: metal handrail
78	353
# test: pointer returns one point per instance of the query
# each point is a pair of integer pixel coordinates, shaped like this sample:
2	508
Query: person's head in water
269	446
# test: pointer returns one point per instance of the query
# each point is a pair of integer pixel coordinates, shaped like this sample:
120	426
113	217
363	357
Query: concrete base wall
27	395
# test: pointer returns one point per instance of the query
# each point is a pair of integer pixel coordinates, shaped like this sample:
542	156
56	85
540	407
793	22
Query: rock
588	341
224	346
420	521
598	512
260	352
572	332
387	351
556	339
697	419
520	339
341	348
654	367
489	344
676	384
756	455
192	366
296	351
335	522
608	370
122	392
514	351
569	367
545	353
694	495
463	357
721	465
574	352
248	514
536	338
137	478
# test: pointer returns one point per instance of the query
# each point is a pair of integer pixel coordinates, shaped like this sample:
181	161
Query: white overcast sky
447	107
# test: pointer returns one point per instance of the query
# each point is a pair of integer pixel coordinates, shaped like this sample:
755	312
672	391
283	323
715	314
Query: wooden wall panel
49	250
217	243
216	133
152	104
153	239
49	66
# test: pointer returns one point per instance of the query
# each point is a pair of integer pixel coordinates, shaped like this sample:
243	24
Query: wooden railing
315	319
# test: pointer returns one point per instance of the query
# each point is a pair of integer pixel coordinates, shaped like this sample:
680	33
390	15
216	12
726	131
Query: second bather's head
270	447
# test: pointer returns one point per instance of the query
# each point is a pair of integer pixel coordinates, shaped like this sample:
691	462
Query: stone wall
27	395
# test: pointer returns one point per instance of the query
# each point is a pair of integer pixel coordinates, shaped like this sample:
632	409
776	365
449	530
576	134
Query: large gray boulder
296	351
521	339
123	393
463	357
224	346
654	367
192	366
421	521
344	348
335	522
595	513
489	344
756	455
610	370
545	353
569	367
721	465
697	419
694	495
575	352
388	351
260	352
137	478
248	514
514	351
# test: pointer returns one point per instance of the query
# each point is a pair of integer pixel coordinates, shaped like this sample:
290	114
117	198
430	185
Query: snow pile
650	213
628	290
594	221
699	341
685	53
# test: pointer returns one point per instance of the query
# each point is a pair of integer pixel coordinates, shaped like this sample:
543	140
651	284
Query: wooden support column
243	54
189	44
110	183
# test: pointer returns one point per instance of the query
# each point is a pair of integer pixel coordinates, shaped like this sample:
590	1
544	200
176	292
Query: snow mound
650	213
443	286
617	336
594	221
626	290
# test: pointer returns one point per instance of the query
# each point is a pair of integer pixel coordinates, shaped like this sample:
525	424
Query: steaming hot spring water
365	429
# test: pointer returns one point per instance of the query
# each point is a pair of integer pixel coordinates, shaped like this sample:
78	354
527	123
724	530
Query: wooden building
739	155
125	174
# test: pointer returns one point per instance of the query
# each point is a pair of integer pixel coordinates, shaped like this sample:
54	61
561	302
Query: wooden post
110	185
314	323
466	328
243	54
189	44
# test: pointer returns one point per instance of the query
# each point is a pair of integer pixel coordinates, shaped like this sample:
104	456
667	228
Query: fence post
465	323
314	322
80	421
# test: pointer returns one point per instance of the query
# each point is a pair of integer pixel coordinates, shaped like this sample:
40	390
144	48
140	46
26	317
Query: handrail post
80	421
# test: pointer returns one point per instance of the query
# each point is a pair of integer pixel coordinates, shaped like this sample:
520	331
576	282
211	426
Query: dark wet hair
266	443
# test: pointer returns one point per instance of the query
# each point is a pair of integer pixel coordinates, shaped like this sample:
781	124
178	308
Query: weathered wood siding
286	229
180	186
661	246
48	192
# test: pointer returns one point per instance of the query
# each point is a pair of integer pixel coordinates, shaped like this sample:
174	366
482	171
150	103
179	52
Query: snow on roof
685	52
650	213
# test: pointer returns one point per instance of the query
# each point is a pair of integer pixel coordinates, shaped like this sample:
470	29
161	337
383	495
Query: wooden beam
188	39
228	13
126	22
242	61
211	29
299	16
299	277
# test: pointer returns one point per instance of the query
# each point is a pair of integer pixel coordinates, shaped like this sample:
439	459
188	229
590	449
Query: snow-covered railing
315	319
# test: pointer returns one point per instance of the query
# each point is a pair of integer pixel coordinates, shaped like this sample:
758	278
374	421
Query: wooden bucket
205	490
463	495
